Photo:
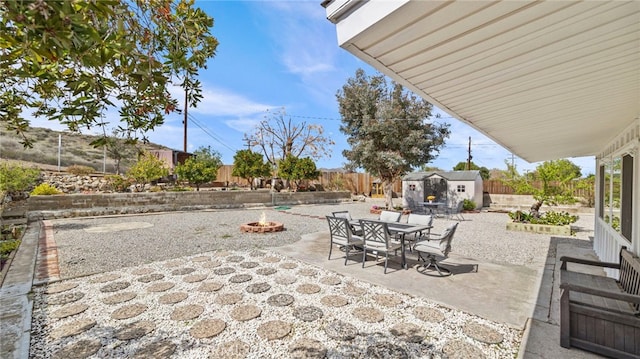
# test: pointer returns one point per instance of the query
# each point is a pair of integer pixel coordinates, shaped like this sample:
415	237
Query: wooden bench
599	313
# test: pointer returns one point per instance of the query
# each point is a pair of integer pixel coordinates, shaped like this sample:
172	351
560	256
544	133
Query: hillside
75	150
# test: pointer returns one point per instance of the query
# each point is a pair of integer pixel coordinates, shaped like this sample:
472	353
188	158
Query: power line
206	131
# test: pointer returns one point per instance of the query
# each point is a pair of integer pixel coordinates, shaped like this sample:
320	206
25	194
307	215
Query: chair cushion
430	247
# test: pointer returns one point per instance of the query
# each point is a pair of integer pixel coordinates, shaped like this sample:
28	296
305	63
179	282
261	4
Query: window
461	188
616	194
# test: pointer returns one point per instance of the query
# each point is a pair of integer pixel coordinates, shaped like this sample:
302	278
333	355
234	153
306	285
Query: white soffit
546	80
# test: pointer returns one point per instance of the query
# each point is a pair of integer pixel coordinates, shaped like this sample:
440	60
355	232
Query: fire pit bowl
261	227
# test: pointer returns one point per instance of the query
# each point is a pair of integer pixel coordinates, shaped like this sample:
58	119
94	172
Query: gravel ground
154	237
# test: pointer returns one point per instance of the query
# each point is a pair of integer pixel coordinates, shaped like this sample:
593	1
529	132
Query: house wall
607	241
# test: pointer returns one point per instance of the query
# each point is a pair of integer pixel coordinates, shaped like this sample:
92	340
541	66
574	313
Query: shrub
468	205
6	247
15	178
551	218
79	170
118	183
44	189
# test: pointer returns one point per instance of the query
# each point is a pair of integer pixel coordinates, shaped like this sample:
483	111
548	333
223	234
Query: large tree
462	166
296	169
71	61
387	128
200	168
250	165
278	136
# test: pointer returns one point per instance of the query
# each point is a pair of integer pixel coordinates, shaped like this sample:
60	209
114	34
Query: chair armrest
565	260
630	298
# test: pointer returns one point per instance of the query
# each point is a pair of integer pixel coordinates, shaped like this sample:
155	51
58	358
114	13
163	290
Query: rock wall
69	183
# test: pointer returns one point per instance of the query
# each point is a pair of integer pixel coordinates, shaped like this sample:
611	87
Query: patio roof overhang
546	80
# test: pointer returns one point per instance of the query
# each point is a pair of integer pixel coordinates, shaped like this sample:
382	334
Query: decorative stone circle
187	312
69	310
129	311
194	278
280	300
114	287
157	350
334	301
243	313
341	330
408	332
271	259
308	288
387	300
73	328
386	350
60	287
105	278
201	259
249	265
429	314
235	259
135	330
174	263
257	253
275	329
307	348
142	271
308	272
211	264
79	350
224	271
119	298
183	271
289	265
286	279
235	349
210	287
308	313
160	287
258	288
151	278
228	298
368	314
65	298
460	349
173	298
266	271
351	289
331	280
482	333
207	328
240	278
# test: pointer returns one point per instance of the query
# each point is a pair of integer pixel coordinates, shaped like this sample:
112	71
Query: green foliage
45	189
200	168
614	222
70	61
80	170
8	246
297	169
118	183
250	165
118	150
468	205
387	128
551	218
15	178
147	169
484	171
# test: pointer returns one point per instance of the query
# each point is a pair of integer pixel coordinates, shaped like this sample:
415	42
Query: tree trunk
535	209
388	194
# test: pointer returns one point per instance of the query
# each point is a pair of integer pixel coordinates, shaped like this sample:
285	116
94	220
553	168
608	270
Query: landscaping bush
550	218
6	247
468	205
44	189
15	178
118	183
79	170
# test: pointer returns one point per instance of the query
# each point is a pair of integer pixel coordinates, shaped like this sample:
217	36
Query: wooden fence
363	183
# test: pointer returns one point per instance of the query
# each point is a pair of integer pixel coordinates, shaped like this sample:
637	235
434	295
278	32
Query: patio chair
376	238
434	250
341	234
455	211
390	216
422	219
345	214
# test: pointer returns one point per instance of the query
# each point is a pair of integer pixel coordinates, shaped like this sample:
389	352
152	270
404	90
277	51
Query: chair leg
346	254
364	253
386	258
330	248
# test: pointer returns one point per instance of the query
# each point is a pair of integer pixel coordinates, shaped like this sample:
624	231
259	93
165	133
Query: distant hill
75	150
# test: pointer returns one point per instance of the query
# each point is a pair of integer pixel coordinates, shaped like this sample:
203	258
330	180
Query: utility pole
248	143
469	156
186	106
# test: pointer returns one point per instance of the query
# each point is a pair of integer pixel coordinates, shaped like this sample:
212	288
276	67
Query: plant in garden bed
45	189
549	218
9	241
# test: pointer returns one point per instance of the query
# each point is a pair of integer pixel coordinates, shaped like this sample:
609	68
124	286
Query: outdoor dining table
431	206
402	229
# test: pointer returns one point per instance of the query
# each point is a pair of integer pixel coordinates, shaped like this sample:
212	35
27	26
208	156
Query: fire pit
262	226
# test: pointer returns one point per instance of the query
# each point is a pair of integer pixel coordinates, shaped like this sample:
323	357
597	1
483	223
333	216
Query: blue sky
275	54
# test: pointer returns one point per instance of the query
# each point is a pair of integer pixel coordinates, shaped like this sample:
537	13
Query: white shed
449	187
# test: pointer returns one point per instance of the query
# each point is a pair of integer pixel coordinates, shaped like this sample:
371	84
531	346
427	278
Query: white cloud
222	102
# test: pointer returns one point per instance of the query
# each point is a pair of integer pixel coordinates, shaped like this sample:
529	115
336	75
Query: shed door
436	187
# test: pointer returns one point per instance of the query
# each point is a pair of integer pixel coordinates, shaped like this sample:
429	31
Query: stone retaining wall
77	205
69	183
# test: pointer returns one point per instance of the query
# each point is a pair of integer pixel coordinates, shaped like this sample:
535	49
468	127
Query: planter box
539	228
